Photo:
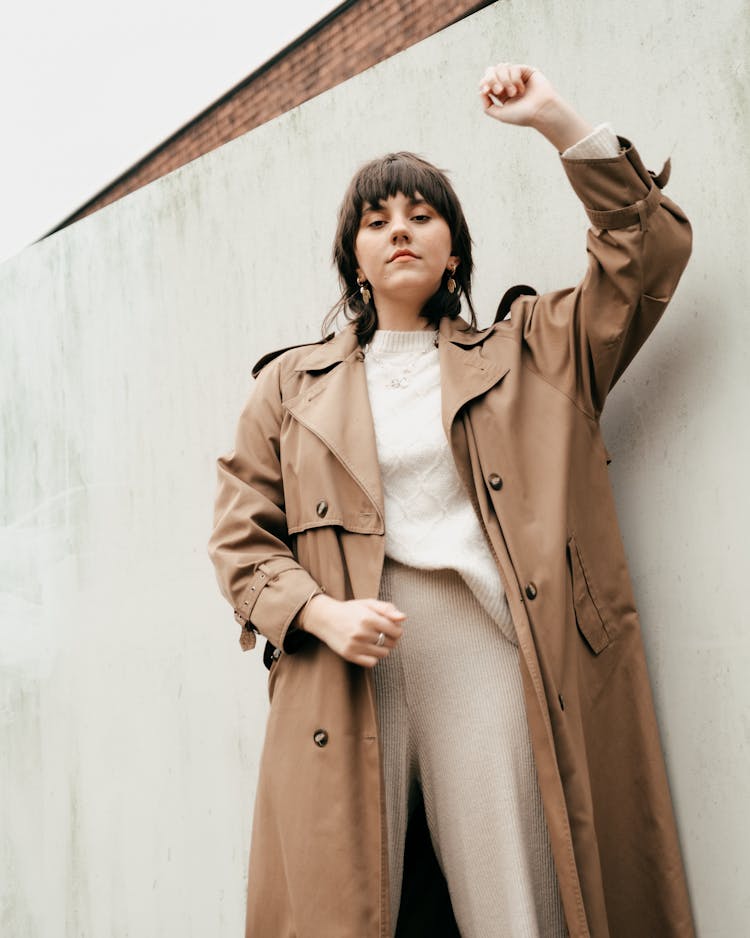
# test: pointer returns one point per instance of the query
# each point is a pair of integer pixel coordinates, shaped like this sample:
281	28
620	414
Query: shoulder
289	354
509	298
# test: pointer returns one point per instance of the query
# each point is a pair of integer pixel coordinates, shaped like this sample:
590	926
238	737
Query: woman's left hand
528	99
522	90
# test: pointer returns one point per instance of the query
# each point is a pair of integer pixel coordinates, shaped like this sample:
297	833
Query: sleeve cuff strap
637	213
617	191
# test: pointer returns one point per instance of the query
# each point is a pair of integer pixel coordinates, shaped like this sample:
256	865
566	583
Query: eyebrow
369	207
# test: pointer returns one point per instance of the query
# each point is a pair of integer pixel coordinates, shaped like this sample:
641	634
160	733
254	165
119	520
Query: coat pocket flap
588	617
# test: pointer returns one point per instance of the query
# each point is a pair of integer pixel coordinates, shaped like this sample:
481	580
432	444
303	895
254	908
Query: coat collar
336	406
345	342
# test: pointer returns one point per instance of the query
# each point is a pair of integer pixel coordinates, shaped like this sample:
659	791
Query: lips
402	253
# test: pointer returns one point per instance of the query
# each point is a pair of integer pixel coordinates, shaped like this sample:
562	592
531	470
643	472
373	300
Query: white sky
89	87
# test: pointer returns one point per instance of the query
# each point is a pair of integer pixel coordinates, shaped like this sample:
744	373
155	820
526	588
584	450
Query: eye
421	217
376	223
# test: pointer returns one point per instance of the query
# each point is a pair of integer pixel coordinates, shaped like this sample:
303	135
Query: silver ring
381	640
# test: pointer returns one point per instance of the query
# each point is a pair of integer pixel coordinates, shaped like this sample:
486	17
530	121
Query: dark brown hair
377	180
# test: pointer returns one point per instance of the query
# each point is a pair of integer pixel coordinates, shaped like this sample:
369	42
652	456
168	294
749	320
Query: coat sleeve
581	339
250	548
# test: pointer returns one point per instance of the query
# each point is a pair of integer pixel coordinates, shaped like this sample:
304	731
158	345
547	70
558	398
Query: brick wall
354	36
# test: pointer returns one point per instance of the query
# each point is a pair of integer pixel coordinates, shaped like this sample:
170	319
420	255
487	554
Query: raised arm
582	338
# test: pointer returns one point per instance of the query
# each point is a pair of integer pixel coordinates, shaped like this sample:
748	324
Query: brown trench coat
300	504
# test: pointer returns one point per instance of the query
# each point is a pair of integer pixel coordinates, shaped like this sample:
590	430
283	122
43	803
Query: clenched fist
521	95
352	627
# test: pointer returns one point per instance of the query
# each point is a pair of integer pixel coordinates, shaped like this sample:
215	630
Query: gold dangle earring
364	292
451	284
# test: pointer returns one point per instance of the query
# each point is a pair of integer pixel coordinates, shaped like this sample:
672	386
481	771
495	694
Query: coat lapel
465	373
335	406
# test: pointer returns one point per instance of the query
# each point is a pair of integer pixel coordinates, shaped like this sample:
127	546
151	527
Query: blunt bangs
399	172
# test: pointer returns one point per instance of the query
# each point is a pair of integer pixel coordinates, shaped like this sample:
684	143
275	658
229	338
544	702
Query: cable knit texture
430	522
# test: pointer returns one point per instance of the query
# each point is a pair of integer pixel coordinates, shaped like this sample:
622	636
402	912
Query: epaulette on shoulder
269	356
510	296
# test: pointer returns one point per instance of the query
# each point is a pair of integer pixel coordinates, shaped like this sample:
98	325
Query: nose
399	229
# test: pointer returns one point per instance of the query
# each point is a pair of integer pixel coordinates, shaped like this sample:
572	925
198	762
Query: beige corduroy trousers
452	720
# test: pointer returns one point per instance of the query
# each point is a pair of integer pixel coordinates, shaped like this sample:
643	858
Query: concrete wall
130	723
350	38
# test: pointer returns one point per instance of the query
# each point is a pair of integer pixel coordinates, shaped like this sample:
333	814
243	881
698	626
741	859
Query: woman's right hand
351	627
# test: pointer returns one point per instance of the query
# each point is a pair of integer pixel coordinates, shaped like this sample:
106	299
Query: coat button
531	590
495	481
320	737
322	509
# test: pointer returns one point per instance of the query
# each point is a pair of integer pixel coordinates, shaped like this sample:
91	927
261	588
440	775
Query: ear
453	261
361	274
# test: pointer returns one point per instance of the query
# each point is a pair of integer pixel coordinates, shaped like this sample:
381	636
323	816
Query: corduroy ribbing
452	720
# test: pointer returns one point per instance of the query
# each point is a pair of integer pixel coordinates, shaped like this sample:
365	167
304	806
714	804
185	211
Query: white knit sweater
430	522
429	519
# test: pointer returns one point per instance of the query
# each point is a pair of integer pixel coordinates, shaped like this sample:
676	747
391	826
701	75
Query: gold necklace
401	380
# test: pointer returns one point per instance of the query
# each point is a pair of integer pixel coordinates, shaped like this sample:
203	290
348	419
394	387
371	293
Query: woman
417	518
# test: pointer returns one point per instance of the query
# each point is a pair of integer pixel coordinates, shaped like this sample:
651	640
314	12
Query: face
403	224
